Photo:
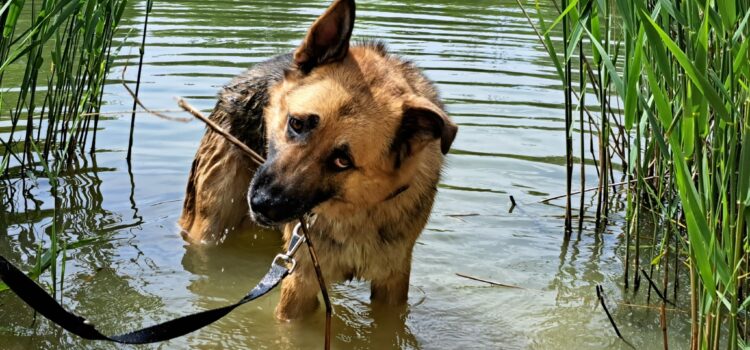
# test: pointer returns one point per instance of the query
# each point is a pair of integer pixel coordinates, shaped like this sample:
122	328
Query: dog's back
220	175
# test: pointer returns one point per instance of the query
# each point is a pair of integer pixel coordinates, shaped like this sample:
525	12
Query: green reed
673	107
54	58
62	47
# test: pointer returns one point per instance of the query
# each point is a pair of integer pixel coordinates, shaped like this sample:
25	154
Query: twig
137	101
461	215
216	128
595	188
656	289
487	281
653	307
321	283
600	296
154	112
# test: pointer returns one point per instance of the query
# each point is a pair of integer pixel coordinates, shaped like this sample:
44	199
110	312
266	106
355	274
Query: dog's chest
362	252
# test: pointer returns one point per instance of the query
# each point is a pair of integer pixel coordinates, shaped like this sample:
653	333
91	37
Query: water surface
499	86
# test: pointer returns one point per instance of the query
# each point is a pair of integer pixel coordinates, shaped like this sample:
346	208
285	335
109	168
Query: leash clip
285	260
294	244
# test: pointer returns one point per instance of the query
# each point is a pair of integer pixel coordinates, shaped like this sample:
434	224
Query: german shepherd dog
353	136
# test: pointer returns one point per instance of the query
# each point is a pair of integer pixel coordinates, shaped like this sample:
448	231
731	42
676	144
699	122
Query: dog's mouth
273	202
266	221
270	209
275	216
262	220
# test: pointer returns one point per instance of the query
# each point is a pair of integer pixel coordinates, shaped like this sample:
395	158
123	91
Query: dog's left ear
328	39
423	122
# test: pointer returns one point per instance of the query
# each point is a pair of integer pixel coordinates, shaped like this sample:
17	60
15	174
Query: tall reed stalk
680	70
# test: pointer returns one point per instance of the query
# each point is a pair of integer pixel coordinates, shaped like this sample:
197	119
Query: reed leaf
656	34
571	6
548	43
610	67
633	73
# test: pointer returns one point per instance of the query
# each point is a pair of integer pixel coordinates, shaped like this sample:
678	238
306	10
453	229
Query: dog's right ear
328	39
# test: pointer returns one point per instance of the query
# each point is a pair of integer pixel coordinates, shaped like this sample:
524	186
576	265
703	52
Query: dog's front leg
299	294
393	290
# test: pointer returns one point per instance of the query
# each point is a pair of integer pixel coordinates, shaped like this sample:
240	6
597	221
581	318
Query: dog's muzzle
268	206
272	203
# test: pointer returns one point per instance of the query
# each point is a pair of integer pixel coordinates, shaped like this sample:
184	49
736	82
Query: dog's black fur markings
243	100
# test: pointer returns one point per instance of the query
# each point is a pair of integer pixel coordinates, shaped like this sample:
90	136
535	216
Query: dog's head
346	128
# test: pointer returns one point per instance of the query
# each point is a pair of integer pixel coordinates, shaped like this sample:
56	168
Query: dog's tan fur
215	198
363	97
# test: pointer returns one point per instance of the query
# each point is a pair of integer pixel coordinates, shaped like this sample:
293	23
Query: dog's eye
302	124
342	162
296	124
340	159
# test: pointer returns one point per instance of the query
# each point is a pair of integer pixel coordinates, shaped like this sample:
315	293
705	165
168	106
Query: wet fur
215	199
367	221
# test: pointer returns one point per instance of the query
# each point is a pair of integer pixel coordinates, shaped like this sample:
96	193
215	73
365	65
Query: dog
352	135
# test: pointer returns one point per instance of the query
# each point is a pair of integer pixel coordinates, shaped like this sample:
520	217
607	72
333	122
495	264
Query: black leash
38	299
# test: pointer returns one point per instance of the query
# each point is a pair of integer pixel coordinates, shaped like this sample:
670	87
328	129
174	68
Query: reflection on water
498	84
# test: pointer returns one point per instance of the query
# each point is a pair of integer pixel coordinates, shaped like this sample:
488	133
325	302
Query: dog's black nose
259	203
271	206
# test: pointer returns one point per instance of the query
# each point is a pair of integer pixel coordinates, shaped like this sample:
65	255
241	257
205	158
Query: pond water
499	86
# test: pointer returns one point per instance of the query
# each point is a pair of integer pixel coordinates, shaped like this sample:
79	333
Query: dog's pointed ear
422	123
328	38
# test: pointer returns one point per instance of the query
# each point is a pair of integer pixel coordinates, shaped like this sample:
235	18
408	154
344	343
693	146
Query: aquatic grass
568	88
45	262
63	50
681	71
141	52
47	258
65	43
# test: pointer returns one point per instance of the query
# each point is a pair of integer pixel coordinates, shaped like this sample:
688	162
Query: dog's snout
268	201
272	205
259	202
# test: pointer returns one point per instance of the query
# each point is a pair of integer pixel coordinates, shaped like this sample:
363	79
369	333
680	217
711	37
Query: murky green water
499	86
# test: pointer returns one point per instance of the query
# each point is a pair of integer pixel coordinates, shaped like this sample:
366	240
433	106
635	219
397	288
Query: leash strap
43	303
